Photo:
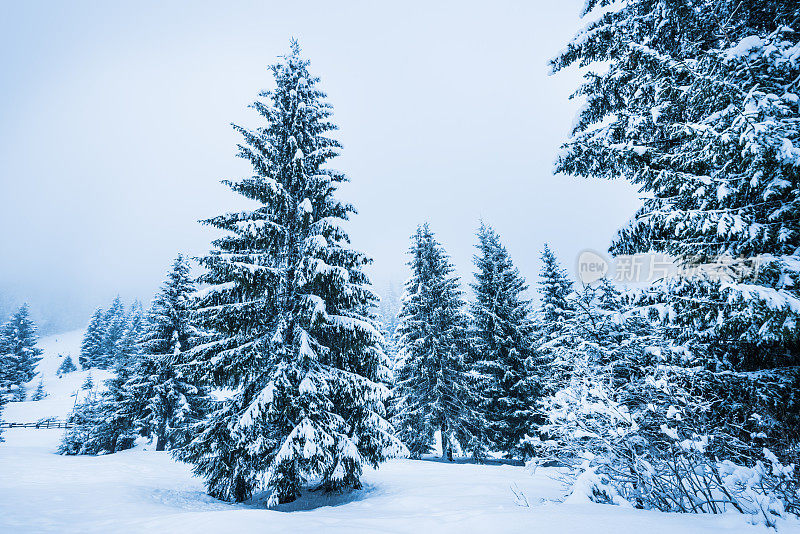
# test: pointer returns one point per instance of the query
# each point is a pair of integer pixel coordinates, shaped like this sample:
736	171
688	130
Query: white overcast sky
114	134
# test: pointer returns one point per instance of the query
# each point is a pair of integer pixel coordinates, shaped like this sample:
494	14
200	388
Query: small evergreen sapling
67	366
97	428
88	384
103	423
39	393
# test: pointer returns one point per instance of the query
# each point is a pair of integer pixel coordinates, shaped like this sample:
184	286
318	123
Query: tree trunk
241	491
447	450
161	443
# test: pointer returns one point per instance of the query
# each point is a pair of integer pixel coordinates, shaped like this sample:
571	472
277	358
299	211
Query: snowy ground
142	490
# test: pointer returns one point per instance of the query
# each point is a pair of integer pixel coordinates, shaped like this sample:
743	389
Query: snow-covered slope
60	391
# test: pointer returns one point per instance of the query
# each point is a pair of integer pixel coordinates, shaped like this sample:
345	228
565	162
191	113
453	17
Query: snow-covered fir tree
39	393
435	389
697	104
67	366
172	404
92	344
289	313
115	323
632	425
102	423
552	322
105	422
2	405
19	354
111	336
88	383
389	308
592	353
555	344
501	335
7	366
148	395
126	349
555	290
388	312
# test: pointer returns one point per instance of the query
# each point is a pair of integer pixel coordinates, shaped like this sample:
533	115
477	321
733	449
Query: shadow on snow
312	499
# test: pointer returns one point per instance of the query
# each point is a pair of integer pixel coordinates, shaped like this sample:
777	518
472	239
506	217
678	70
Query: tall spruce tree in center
289	310
502	342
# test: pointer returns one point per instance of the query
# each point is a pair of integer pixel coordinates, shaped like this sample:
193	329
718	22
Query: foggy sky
115	132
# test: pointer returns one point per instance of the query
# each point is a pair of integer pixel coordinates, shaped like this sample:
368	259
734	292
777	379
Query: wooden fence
48	423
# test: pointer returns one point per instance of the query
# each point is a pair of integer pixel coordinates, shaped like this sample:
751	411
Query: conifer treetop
555	288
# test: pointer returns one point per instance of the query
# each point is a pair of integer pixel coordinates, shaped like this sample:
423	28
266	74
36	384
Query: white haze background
114	134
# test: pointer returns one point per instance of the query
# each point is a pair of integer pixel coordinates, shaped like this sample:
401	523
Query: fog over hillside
445	110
